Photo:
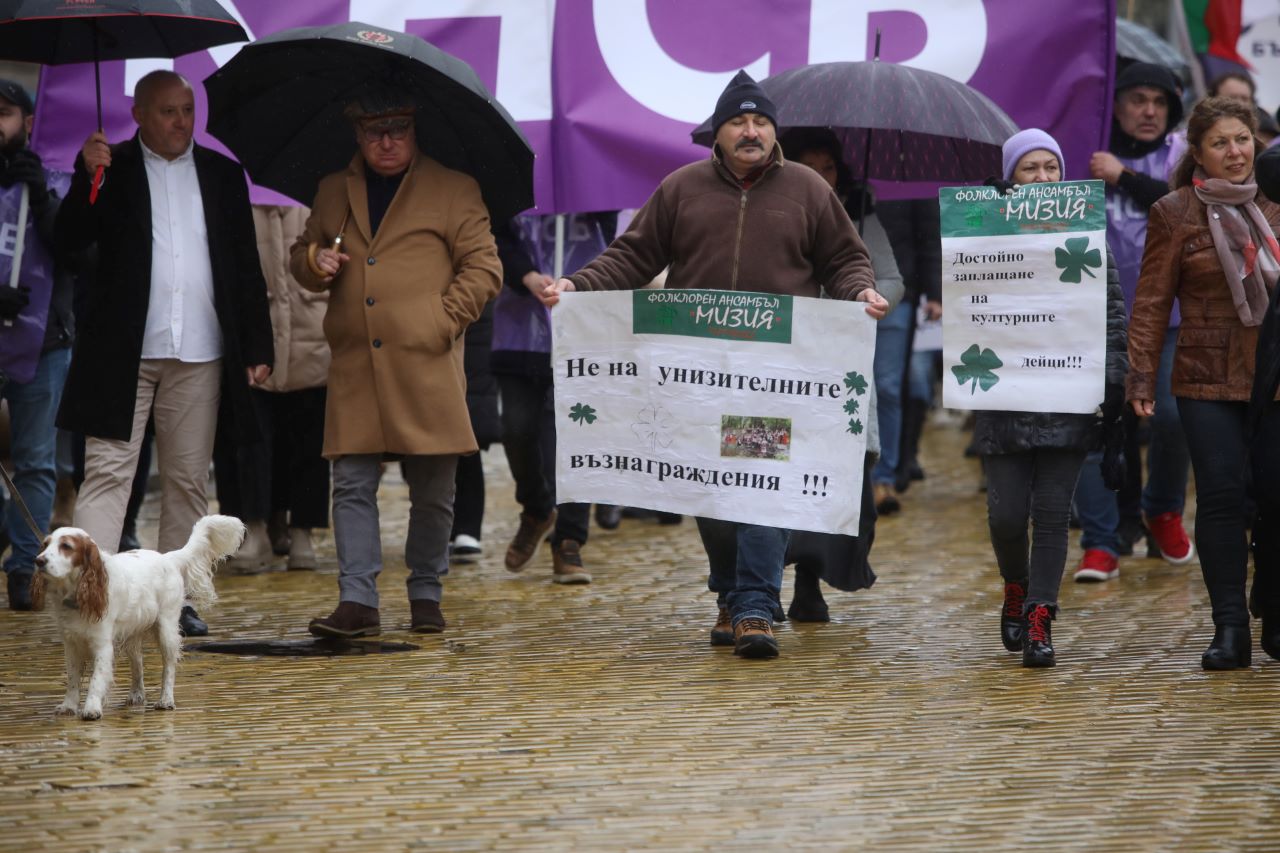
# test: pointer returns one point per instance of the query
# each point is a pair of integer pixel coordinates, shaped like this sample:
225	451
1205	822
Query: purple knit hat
1024	142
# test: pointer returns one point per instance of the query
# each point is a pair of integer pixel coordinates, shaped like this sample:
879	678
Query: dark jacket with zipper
786	234
1014	432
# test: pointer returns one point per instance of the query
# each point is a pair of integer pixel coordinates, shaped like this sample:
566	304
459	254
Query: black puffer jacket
1014	432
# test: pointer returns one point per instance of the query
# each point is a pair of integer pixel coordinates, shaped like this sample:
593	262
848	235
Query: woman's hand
551	293
1143	408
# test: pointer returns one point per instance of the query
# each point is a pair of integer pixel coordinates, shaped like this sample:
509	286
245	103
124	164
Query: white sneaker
465	549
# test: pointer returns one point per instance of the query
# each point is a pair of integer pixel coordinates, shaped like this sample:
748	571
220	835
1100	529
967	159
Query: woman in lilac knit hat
1032	459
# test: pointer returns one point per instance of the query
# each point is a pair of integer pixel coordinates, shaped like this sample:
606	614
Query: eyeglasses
397	130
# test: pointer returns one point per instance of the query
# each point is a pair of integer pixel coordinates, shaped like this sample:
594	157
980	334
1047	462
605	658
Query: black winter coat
1014	432
102	385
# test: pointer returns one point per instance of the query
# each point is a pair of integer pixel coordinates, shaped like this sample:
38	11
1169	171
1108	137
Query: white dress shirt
181	320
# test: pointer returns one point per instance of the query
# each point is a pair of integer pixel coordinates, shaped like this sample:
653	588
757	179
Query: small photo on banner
1024	281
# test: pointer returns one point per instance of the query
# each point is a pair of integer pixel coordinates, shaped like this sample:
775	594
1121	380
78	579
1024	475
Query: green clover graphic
855	426
851	406
1076	258
978	366
583	414
855	382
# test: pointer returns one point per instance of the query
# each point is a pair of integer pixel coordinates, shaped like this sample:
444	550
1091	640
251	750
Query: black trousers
284	473
1216	439
1266	526
529	436
468	497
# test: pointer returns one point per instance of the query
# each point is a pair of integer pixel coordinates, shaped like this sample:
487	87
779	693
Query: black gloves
1002	187
13	300
1113	435
1112	402
24	166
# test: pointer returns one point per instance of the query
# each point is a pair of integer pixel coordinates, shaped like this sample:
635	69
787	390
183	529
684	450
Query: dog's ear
91	589
37	591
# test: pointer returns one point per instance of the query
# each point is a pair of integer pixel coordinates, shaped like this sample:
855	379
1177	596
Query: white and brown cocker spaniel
118	599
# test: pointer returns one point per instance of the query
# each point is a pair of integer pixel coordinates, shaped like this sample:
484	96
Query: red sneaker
1171	537
1097	565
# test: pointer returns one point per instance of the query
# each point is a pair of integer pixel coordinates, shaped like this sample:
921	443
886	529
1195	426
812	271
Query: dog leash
22	505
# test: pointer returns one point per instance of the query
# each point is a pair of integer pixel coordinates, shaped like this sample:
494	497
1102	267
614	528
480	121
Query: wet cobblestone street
599	717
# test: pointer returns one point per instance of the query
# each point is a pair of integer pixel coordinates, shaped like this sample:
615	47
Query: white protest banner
739	406
1024	295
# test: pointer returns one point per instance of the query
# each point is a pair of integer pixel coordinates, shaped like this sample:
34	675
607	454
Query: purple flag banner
607	91
21	343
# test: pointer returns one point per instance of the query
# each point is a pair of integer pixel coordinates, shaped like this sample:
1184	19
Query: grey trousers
1036	486
357	534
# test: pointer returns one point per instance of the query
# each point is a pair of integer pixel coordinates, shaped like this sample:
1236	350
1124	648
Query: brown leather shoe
566	563
753	638
525	543
349	620
425	616
722	633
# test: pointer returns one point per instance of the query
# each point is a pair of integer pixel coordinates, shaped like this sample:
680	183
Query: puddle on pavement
300	648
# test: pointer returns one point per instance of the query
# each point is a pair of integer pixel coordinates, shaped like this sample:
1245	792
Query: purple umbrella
896	123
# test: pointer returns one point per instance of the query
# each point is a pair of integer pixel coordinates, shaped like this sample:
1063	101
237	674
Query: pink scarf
1238	227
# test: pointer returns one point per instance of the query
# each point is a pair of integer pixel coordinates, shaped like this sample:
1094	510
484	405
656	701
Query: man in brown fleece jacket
742	220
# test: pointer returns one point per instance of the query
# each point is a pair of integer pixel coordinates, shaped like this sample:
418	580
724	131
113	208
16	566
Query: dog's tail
213	539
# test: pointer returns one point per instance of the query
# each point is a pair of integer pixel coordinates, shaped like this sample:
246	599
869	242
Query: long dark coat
102	386
1013	432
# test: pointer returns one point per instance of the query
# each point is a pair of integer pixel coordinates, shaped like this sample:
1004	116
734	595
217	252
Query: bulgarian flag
1215	27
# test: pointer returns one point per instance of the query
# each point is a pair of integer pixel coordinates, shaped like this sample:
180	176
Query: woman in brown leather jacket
1211	245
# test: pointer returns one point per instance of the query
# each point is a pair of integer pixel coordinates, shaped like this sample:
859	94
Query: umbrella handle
97	183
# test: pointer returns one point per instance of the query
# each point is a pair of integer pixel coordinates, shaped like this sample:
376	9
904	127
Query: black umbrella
278	105
896	123
1136	43
60	32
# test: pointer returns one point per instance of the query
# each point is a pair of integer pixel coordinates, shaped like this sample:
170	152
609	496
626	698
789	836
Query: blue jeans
890	366
32	407
920	376
1168	463
746	566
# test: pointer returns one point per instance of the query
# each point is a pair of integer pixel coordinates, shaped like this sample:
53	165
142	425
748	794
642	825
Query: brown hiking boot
566	563
525	543
753	638
722	633
425	616
349	620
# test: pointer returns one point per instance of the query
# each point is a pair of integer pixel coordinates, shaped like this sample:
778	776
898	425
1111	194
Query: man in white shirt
177	313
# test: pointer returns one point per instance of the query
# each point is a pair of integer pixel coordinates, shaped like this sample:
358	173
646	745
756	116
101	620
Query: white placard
738	406
1024	297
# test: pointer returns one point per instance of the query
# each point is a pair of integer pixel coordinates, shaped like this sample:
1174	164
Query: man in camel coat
415	266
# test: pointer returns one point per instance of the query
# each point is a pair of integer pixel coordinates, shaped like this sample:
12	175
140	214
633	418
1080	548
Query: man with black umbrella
745	219
35	336
404	248
177	314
